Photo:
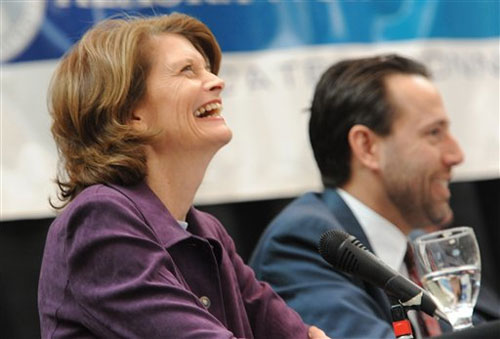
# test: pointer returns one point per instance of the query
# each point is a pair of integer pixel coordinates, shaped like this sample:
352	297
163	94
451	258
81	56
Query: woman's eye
187	68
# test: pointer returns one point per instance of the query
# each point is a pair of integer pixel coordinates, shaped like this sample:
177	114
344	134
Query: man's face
418	155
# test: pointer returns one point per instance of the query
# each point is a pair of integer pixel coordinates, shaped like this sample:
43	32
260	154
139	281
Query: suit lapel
348	221
344	215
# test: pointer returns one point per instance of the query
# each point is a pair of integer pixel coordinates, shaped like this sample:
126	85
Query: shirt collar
183	224
388	242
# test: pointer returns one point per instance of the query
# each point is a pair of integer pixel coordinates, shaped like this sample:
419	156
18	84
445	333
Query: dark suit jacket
344	307
287	257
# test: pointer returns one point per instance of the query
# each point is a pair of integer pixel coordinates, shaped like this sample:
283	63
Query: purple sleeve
269	315
121	278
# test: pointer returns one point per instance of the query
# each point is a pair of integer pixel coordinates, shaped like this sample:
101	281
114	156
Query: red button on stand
402	329
400	323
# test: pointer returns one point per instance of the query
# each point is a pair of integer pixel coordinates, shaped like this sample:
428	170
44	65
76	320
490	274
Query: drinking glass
449	264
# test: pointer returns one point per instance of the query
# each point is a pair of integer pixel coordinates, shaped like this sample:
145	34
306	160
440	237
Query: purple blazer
118	265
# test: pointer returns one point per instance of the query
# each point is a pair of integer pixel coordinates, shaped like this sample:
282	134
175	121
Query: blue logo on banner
46	29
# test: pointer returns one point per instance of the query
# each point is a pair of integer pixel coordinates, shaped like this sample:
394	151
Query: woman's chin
216	139
224	137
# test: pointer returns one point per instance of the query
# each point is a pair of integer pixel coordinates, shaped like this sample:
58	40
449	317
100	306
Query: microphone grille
329	242
344	259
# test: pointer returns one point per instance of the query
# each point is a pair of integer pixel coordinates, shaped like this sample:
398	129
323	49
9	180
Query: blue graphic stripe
256	25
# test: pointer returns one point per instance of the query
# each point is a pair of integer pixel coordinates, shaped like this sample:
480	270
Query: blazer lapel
345	216
351	225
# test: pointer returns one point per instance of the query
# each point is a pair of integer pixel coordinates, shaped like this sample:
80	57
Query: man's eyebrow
440	122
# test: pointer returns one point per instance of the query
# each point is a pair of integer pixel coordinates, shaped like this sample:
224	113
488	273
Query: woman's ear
138	120
365	147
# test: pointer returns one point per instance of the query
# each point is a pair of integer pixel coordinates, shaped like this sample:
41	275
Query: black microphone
346	253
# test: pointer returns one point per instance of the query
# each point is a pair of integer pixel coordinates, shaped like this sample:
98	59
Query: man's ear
364	145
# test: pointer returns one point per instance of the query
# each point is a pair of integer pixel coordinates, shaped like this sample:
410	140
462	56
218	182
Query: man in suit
380	136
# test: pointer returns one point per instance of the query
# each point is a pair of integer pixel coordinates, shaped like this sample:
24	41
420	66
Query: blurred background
273	54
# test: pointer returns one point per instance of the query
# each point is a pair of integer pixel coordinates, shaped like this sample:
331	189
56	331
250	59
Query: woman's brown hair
94	91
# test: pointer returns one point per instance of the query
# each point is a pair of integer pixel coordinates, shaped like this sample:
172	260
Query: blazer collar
344	215
154	212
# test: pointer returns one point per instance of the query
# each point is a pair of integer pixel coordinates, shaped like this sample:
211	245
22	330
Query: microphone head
336	247
329	242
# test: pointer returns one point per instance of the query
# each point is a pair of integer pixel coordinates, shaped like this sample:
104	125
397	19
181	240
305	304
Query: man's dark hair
352	92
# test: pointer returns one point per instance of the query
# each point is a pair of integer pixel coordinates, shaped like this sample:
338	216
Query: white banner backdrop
266	104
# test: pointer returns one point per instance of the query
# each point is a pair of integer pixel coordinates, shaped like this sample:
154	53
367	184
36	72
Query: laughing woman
136	111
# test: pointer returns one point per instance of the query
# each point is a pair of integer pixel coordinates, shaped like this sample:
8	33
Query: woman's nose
214	82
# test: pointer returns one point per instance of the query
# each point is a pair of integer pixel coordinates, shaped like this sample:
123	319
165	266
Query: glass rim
438	235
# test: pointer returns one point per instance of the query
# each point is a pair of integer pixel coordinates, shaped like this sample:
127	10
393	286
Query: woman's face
182	99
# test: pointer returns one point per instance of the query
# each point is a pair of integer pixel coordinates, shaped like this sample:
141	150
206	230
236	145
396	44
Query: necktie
429	325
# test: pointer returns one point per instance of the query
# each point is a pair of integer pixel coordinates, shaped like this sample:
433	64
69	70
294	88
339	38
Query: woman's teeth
208	110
